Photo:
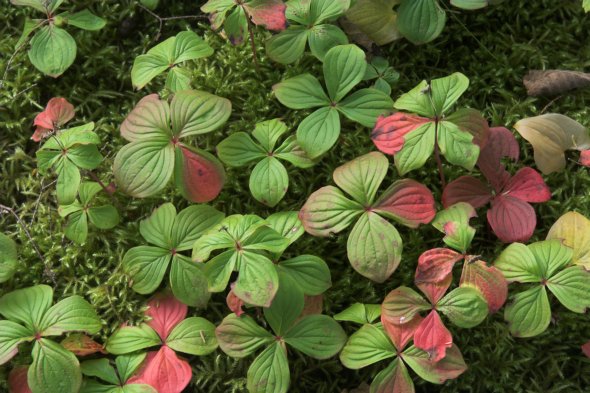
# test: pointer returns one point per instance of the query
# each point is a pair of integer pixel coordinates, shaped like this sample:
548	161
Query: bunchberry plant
30	316
374	246
170	234
56	114
375	342
573	229
156	129
545	265
247	243
269	179
105	376
66	153
84	210
53	50
317	336
309	23
511	216
383	74
235	16
8	258
586	5
344	68
169	329
429	126
169	56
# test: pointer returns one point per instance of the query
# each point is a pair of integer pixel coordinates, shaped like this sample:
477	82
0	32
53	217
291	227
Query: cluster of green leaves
106	376
269	179
344	67
383	74
53	50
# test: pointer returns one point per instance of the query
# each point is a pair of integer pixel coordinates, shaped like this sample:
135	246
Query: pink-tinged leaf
466	189
267	13
149	119
165	313
488	280
439	372
433	337
198	174
511	219
393	379
434	291
17	380
471	121
407	201
57	113
435	265
401	306
233	302
389	132
501	144
41	133
586	349
81	345
401	335
585	158
164	371
528	185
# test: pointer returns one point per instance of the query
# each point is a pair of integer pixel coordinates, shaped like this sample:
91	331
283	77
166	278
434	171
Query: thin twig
161	19
253	45
549	104
38	201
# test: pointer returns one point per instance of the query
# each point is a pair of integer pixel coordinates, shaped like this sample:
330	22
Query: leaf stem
253	45
437	156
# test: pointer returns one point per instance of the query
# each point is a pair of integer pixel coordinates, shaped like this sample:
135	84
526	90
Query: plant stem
437	156
161	19
253	45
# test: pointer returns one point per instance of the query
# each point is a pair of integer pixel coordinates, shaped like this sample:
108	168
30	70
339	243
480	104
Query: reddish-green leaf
488	280
401	306
198	174
408	202
436	264
433	337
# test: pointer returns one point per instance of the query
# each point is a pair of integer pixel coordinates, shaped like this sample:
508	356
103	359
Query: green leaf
572	288
53	50
286	306
529	314
193	335
367	346
104	217
464	306
551	256
374	247
84	156
318	132
69	315
417	100
324	10
586	5
132	338
417	148
11	335
420	21
450	367
518	263
454	223
84	19
8	258
258	280
291	151
157	228
68	180
269	372
394	378
402	304
29	26
219	269
310	273
287	46
100	368
239	149
365	106
376	19
146	267
128	364
344	68
88	191
268	132
54	369
446	91
178	79
27	305
188	282
191	223
264	238
238	337
287	224
324	37
470	4
301	92
236	26
360	313
361	177
456	145
269	181
195	112
39	5
318	336
328	211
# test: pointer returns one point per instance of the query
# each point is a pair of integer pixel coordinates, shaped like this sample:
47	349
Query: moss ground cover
494	48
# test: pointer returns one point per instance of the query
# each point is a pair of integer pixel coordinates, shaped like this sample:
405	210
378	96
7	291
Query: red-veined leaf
435	265
164	371
434	291
401	306
17	380
511	219
198	174
466	189
165	313
267	13
401	335
407	201
433	337
586	349
528	185
81	345
388	134
488	280
501	144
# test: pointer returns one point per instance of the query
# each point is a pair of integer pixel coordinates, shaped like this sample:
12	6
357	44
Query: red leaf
17	380
401	335
198	174
435	265
501	144
585	157
409	202
528	185
401	306
267	13
511	219
388	134
233	302
586	349
466	189
488	280
81	345
165	312
433	337
164	371
434	291
57	113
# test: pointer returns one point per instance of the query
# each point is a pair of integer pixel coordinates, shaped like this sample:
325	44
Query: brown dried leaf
554	82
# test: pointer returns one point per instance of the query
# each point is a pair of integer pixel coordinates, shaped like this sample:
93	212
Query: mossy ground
494	48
